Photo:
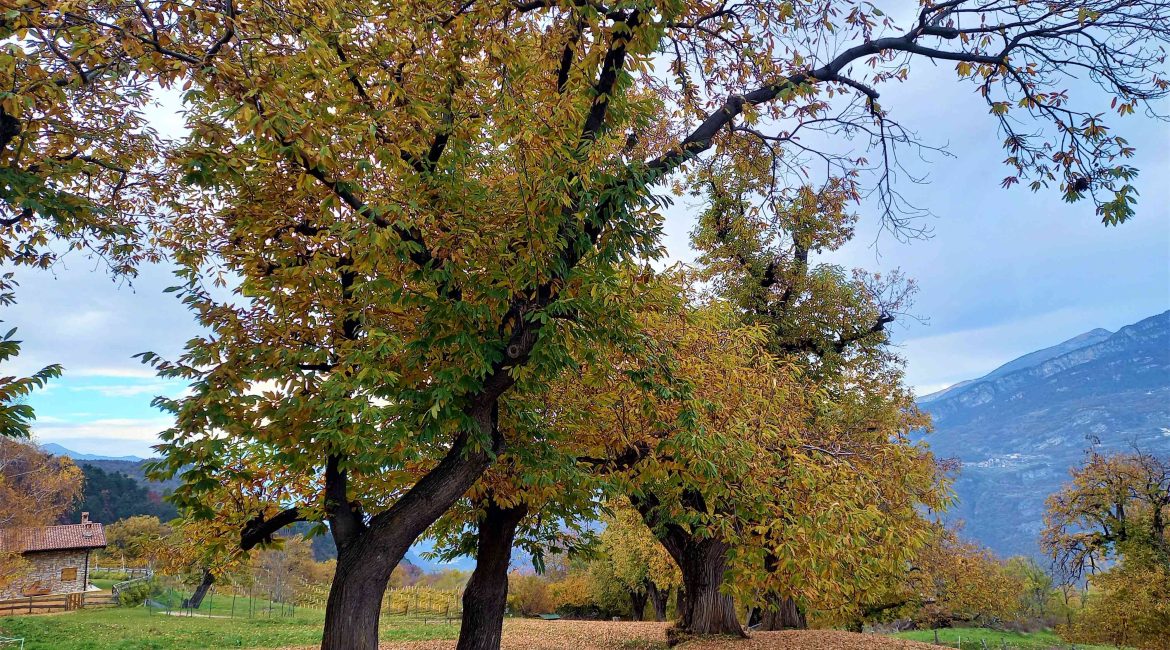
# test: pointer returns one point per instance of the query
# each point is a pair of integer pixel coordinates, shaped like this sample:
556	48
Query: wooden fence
130	572
55	603
421	603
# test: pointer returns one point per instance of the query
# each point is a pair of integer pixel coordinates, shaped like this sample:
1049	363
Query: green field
975	637
138	629
226	605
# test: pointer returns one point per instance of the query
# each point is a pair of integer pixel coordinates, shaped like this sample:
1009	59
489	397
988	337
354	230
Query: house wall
45	574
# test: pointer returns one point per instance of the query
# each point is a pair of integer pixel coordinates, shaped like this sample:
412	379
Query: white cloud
141	372
107	446
97	432
127	390
82	323
926	389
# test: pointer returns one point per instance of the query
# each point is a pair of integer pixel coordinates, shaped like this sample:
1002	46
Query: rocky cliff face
1020	428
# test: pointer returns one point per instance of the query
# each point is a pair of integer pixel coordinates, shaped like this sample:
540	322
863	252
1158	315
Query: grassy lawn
215	604
104	583
220	604
974	638
138	629
116	576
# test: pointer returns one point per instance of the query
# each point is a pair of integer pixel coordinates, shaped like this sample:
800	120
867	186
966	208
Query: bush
136	594
1128	605
528	595
108	575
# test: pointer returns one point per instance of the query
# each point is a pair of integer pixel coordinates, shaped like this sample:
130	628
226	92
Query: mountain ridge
1025	361
59	450
1017	431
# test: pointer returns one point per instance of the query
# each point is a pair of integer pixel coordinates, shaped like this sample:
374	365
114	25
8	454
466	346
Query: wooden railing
130	572
119	587
55	603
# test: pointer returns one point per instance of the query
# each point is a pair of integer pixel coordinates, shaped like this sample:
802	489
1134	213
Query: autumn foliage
1110	523
398	224
35	489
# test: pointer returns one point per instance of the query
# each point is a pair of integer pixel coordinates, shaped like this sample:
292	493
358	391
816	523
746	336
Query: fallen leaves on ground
812	640
536	634
532	634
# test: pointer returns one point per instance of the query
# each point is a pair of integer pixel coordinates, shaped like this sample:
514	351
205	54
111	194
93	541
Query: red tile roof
52	538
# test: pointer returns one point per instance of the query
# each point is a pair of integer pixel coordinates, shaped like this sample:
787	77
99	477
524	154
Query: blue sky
1006	272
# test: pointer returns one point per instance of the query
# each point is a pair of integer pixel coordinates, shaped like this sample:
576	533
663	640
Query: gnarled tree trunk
706	610
783	614
657	599
486	596
368	553
201	589
354	607
637	605
703	563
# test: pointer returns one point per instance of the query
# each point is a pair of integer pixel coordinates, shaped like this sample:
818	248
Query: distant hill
110	496
116	487
1018	429
58	450
135	470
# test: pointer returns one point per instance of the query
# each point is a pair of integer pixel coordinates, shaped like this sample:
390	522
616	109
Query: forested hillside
109	496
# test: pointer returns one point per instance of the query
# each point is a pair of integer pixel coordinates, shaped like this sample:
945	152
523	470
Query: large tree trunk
658	599
782	615
368	553
359	583
486	595
703	563
637	605
705	610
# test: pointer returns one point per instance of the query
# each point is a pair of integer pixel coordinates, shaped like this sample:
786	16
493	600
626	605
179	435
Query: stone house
58	557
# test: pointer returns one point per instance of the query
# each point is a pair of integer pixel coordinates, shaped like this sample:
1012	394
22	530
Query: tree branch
260	530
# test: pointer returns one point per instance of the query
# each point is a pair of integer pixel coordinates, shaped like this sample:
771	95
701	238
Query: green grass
217	604
104	583
973	637
138	629
116	576
220	604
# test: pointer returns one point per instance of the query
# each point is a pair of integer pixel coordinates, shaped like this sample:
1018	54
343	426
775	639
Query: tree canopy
1109	523
35	489
423	206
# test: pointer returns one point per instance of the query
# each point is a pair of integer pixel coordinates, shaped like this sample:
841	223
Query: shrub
528	595
136	594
